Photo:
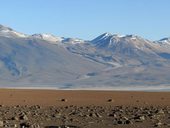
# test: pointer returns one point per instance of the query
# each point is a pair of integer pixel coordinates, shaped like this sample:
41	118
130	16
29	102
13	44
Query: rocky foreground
84	117
21	108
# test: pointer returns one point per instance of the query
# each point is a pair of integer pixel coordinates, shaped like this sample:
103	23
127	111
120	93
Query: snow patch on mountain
73	41
110	60
8	32
164	41
48	37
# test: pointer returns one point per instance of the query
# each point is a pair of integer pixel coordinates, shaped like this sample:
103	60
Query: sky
87	19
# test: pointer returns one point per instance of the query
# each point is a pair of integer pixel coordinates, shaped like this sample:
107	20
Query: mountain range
109	61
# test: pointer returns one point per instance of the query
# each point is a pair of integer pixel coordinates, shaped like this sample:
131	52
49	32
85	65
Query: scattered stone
119	122
86	116
112	115
23	117
110	100
125	118
159	124
168	125
139	118
1	123
162	98
160	111
137	101
13	126
64	100
35	126
2	105
142	118
62	126
98	115
128	122
24	125
15	118
92	115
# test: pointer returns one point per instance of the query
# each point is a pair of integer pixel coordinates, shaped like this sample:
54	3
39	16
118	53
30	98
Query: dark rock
24	125
110	100
112	115
15	118
92	115
128	122
23	117
119	122
139	118
98	115
64	100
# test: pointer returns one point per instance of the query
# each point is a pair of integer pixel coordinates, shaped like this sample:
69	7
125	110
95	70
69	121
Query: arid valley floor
83	109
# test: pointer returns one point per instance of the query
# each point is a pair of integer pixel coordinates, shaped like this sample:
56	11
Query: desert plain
34	108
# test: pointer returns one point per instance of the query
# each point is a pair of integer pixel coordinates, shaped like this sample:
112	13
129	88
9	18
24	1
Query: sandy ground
83	109
53	97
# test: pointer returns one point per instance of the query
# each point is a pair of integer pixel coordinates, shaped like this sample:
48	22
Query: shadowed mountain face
108	61
130	49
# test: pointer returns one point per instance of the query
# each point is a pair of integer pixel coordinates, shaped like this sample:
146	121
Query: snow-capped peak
48	37
9	32
108	37
118	35
130	36
133	37
122	42
104	35
167	39
73	41
164	41
5	28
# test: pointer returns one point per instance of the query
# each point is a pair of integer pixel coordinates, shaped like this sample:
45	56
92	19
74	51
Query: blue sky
87	19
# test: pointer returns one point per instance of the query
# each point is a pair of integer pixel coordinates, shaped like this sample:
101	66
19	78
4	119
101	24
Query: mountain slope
34	61
9	32
108	61
165	41
129	49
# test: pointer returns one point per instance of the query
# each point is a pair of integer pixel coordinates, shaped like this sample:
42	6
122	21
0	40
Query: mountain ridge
109	60
41	35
